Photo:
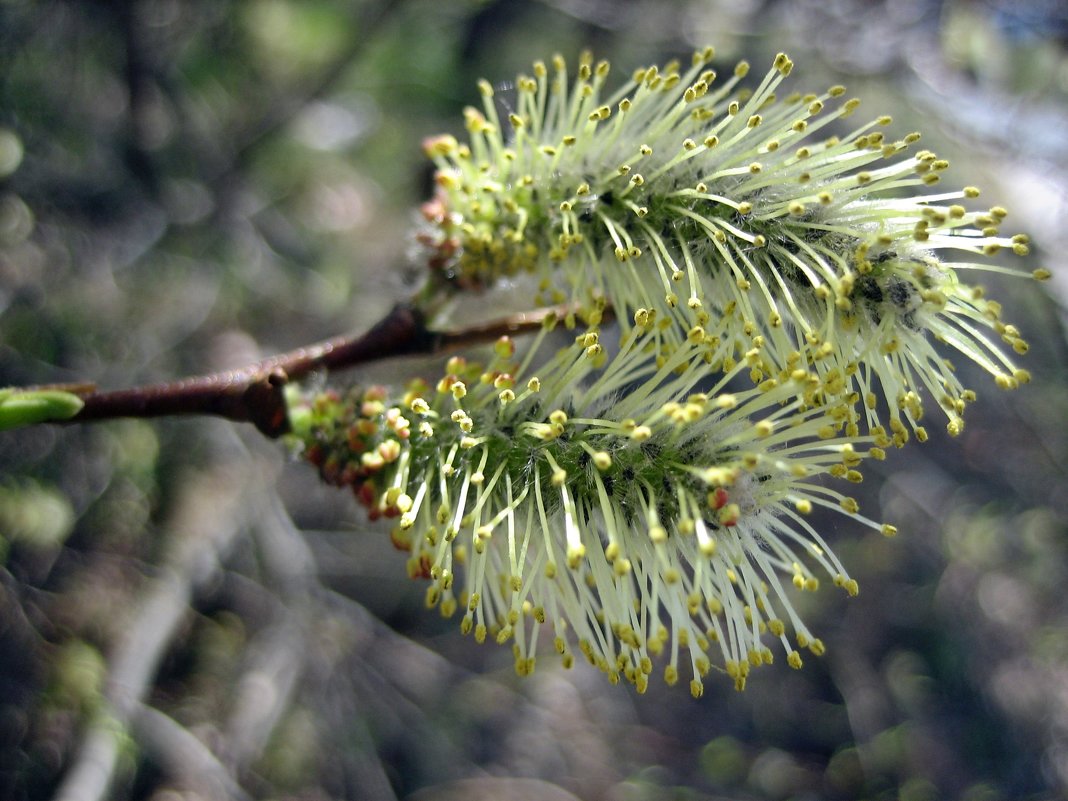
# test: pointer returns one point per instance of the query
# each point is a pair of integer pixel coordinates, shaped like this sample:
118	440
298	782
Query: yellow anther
641	433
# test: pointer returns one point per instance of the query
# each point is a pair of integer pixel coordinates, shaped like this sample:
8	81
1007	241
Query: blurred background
185	613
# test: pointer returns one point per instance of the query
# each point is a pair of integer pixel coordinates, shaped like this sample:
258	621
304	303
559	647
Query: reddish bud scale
350	475
366	494
434	210
331	470
314	454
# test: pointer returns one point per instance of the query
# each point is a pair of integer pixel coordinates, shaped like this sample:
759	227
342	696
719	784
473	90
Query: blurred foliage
187	184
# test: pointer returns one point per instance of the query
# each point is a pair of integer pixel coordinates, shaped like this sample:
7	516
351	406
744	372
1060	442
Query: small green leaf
19	407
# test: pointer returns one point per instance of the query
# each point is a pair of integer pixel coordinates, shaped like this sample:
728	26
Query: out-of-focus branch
279	655
215	508
184	756
285	108
255	393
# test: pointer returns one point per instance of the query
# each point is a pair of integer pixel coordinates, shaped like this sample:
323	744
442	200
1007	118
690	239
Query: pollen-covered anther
641	433
389	450
443	145
729	515
575	555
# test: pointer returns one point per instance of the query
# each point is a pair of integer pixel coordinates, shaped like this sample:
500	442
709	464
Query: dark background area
186	613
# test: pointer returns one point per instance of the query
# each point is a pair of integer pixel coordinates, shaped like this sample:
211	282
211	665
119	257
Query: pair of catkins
755	295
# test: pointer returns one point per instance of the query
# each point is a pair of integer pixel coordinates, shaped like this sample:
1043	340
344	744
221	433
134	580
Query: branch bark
256	393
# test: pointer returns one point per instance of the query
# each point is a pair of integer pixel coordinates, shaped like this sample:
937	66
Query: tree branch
255	393
213	510
183	755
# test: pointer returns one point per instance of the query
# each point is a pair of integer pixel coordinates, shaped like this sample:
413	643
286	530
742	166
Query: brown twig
255	393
